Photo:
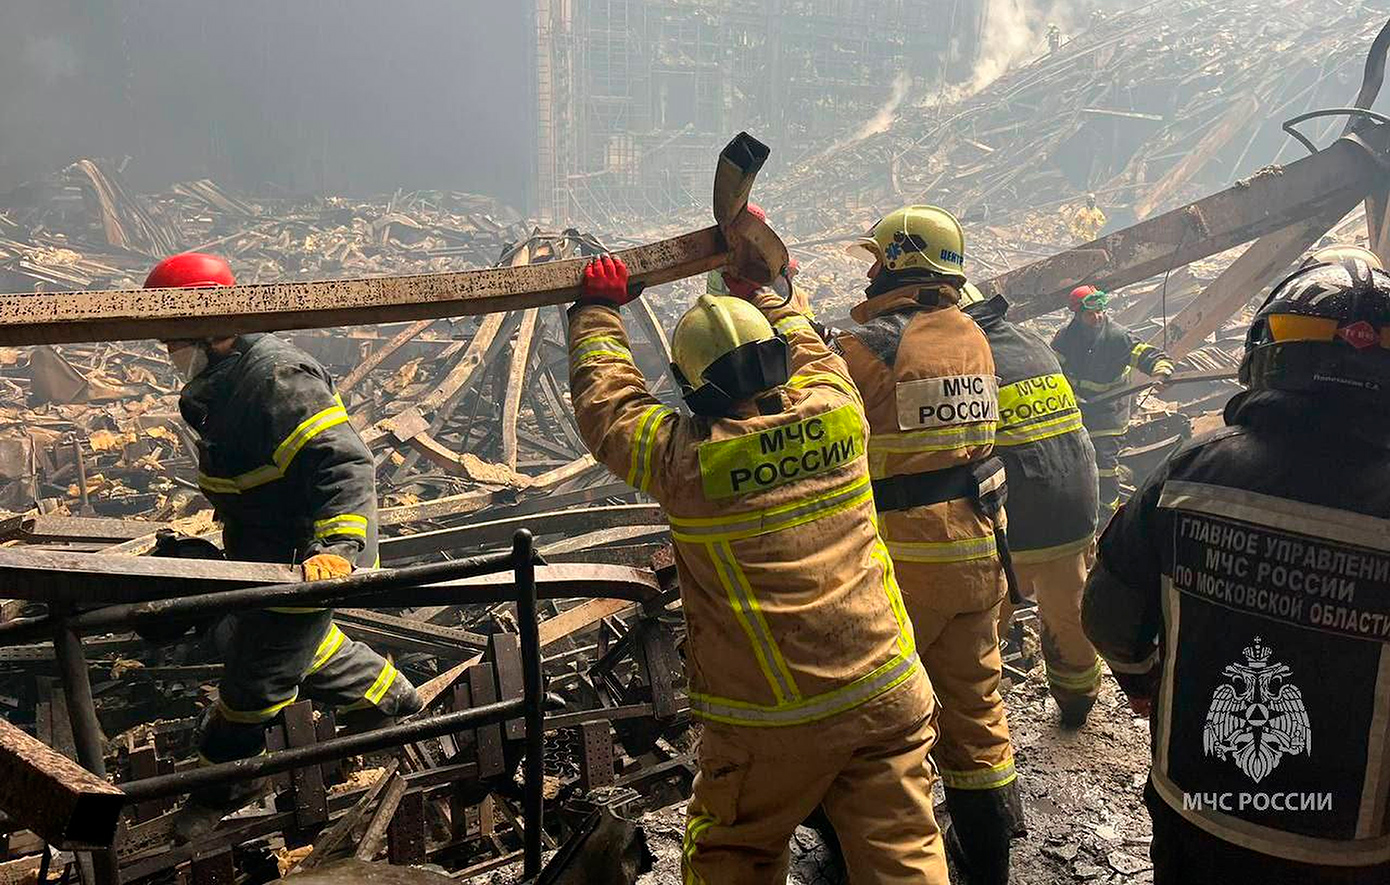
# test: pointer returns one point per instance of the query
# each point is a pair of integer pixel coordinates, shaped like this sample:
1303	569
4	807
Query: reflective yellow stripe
639	475
802	380
346	524
327	649
587	349
1075	680
964	550
694	829
1138	353
1096	387
889	675
937	439
252	717
1108	472
993	778
774	519
750	616
1162	366
1102	434
1031	433
383	682
284	453
907	639
1047	554
788	324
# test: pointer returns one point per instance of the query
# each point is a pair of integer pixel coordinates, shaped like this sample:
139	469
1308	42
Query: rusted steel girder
1348	170
55	797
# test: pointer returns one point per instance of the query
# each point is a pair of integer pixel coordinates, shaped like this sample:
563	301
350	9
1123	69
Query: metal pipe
533	693
362	583
275	762
86	730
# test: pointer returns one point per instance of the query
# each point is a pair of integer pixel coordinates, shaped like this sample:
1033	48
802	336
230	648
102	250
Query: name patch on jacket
1034	398
1300	580
775	457
944	402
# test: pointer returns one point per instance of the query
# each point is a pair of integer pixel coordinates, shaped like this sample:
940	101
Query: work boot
204	809
983	822
1075	709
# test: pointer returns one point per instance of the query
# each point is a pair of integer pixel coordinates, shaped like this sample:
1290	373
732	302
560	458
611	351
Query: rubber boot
206	808
1074	708
983	823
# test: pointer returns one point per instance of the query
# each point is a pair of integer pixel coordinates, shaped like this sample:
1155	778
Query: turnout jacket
1100	362
931	395
791	603
1249	581
1050	462
288	475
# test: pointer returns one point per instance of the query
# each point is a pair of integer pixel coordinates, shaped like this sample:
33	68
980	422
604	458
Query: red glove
605	282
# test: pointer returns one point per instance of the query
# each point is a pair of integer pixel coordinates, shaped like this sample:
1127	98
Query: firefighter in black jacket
1098	354
291	482
1242	598
1051	469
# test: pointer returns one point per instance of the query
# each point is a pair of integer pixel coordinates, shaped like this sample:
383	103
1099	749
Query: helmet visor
1293	327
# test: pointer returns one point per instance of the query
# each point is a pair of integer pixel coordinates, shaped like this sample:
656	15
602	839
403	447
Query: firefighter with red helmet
1098	357
291	482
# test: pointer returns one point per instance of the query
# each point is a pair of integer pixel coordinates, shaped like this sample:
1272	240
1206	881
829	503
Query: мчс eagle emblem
1258	717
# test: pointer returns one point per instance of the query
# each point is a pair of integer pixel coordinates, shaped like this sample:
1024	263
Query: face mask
190	360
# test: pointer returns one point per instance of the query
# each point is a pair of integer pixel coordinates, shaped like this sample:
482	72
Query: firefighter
1051	470
802	663
1098	356
1088	221
930	391
1242	597
291	482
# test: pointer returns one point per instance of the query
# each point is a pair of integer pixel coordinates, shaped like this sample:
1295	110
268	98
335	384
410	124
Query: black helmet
1324	329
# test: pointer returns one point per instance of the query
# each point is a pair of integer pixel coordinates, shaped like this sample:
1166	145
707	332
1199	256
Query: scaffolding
634	96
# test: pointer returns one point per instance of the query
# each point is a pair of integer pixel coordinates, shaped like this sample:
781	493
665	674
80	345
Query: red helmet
190	270
1088	298
757	212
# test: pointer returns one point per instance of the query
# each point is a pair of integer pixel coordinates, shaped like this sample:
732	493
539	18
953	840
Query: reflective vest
1251	576
791	601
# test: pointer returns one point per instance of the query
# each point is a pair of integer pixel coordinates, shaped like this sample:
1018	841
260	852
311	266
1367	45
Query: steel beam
1269	200
55	797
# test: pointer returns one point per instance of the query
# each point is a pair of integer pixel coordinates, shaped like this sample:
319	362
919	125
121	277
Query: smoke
1015	30
880	122
51	58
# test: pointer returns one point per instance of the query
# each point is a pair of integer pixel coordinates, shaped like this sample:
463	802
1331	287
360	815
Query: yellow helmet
918	237
725	351
1339	252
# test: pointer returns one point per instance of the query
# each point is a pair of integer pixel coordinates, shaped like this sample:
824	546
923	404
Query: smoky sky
309	96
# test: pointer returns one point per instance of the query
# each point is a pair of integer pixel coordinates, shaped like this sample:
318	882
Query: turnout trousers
868	768
275	658
1107	444
1057	584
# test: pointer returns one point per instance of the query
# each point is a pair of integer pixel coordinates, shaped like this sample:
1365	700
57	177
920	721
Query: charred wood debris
470	423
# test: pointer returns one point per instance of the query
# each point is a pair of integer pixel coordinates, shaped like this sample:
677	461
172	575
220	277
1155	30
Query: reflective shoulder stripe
254	717
639	474
788	324
751	523
1315	520
991	778
892	673
346	524
961	550
802	381
283	456
1031	433
594	346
